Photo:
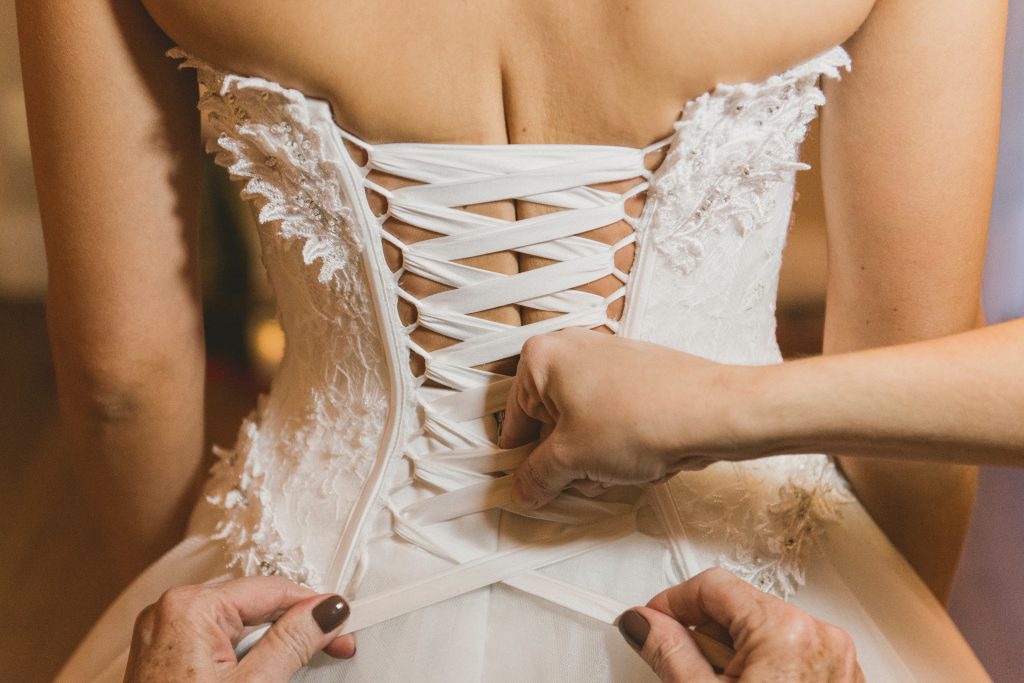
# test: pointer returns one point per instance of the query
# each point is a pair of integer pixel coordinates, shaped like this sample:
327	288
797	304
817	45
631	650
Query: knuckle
562	459
717	575
843	648
291	642
175	603
662	653
535	348
719	581
797	629
145	620
530	475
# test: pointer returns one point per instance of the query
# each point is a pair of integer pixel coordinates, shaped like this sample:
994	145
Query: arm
115	149
909	143
958	399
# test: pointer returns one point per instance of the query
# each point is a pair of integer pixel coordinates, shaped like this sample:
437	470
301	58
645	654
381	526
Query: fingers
666	646
541	477
715	596
303	629
590	488
517	428
342	647
259	599
529	405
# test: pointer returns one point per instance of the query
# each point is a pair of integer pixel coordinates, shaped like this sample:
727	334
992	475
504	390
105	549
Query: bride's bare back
506	72
533	71
908	146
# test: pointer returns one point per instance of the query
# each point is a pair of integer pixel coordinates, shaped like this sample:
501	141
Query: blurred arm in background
115	146
909	144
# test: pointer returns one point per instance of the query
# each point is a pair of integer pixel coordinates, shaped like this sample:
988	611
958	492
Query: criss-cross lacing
455	452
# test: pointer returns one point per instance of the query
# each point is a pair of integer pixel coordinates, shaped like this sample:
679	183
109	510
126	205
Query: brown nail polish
634	628
331	613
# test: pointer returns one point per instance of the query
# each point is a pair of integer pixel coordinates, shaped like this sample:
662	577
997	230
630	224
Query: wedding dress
353	475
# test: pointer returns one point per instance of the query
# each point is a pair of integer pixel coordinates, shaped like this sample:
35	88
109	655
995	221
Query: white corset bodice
349	446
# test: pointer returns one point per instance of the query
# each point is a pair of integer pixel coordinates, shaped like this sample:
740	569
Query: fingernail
331	613
634	628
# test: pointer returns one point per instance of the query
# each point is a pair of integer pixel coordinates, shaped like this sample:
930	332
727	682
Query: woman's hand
774	641
610	410
189	634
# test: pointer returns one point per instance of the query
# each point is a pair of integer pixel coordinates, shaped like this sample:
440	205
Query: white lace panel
709	265
302	457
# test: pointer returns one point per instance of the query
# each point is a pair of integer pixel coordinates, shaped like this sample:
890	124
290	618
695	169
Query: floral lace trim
262	133
770	535
717	177
236	487
788	532
283	161
735	147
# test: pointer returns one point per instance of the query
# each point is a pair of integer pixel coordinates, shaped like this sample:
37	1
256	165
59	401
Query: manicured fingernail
634	628
331	613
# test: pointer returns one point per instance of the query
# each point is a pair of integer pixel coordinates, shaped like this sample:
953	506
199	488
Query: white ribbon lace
452	454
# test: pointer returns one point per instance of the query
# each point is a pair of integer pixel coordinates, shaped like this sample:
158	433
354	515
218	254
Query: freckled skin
772	640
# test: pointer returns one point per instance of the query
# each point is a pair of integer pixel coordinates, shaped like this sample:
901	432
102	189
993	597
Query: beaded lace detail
721	209
283	478
735	145
710	244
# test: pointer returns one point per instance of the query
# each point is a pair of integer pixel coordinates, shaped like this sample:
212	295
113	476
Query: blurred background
53	581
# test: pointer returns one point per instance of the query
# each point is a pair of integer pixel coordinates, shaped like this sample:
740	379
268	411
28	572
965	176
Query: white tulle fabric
352	475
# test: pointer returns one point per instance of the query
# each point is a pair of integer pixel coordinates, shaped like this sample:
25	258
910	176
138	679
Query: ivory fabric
354	475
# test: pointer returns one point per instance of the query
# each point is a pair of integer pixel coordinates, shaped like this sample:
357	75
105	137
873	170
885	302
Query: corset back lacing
463	464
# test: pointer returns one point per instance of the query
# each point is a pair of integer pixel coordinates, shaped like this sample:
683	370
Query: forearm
135	446
115	150
958	399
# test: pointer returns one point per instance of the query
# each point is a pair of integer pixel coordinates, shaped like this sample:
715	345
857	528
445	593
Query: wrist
732	416
777	409
751	410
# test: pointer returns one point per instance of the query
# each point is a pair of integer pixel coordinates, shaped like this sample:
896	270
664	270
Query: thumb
307	627
541	477
665	644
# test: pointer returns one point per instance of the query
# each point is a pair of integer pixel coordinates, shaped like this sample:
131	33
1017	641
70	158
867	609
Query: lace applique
768	533
301	458
720	213
236	486
788	532
735	144
255	138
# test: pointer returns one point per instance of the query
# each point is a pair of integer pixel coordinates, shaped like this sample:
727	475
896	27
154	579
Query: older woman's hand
774	641
189	634
610	410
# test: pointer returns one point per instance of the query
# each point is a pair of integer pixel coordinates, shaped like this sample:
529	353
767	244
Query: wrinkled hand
774	641
610	410
190	632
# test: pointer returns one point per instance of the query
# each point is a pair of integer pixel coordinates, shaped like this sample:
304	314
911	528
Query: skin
956	399
774	641
119	193
188	634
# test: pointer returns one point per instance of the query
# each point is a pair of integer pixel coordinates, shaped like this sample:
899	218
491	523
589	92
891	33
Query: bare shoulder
521	63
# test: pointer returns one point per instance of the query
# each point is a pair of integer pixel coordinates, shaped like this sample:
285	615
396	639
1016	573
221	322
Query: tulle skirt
858	582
